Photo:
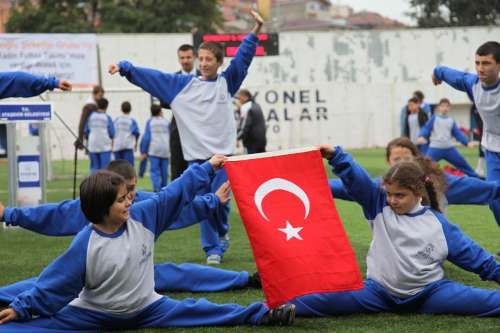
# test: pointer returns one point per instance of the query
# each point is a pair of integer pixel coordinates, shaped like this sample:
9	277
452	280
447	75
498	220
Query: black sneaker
254	281
281	316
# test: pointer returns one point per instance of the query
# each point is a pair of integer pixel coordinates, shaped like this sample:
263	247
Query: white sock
480	166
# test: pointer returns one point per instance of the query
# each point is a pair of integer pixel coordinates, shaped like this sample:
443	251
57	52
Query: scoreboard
268	43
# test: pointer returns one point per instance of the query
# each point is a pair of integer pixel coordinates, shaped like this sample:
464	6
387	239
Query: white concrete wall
356	80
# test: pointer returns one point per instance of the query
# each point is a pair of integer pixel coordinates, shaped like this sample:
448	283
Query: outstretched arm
467	254
164	86
146	139
459	80
338	190
160	211
457	133
238	68
202	207
471	191
426	130
61	219
356	180
22	84
57	285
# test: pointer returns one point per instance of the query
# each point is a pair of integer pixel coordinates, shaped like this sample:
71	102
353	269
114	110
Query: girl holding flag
410	243
105	278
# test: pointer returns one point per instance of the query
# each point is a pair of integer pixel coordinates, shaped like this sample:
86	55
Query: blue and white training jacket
486	99
156	139
22	84
127	132
203	109
407	251
441	129
113	273
100	131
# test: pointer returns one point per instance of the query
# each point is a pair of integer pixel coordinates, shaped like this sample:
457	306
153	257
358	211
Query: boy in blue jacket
156	148
105	278
483	90
440	129
22	84
100	132
203	110
127	135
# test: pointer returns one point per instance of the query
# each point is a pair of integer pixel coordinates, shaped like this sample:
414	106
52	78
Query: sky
393	9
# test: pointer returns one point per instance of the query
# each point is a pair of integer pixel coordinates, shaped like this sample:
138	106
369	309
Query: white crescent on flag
274	184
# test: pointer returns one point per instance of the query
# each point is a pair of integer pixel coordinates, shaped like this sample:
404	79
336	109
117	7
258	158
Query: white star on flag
291	232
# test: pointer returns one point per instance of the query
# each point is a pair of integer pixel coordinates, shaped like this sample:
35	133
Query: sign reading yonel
71	57
33	112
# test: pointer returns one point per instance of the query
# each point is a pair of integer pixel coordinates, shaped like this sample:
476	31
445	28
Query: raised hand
2	210
223	193
259	21
113	69
435	81
65	85
217	161
326	150
421	140
473	144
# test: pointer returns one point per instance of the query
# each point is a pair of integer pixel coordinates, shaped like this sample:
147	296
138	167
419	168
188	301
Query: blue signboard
25	112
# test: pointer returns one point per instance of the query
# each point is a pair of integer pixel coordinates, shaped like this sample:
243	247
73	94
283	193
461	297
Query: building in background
5	7
303	15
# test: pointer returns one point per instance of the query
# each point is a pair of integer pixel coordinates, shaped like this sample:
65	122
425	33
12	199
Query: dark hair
102	104
490	48
246	93
186	47
215	48
123	168
411	176
402	142
126	107
414	99
86	111
97	89
436	175
98	193
155	110
419	95
444	101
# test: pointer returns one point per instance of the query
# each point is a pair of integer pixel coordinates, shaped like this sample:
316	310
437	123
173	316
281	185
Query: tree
159	16
444	13
49	16
130	16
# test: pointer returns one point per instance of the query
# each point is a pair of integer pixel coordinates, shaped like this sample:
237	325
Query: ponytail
431	194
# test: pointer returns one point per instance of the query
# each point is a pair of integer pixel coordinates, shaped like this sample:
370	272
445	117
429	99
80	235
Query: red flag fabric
298	241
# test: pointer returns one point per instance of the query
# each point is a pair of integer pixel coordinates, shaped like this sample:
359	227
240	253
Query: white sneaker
214	259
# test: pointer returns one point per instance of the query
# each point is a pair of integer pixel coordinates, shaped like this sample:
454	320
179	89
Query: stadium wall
341	87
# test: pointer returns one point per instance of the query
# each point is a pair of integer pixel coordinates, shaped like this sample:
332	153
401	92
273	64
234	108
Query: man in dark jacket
252	129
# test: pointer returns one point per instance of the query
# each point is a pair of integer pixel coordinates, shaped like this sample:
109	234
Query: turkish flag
296	234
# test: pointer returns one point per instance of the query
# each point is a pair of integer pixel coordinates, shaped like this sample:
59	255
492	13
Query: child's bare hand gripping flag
297	237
